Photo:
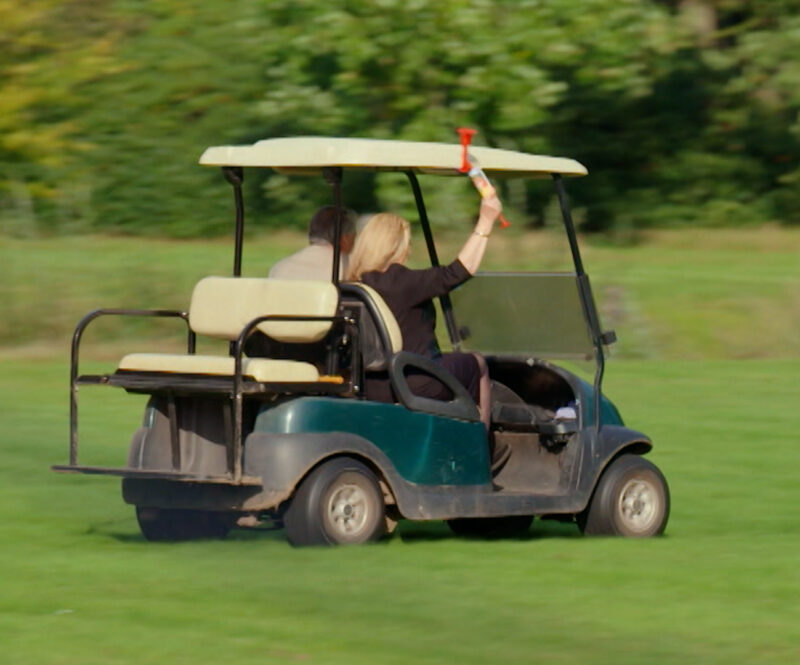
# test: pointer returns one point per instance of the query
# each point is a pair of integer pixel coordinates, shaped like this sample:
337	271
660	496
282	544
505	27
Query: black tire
491	527
339	503
631	499
167	525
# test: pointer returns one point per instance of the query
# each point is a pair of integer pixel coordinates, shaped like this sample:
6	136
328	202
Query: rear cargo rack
160	475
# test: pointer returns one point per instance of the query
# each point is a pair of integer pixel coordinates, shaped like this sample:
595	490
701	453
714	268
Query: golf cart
290	437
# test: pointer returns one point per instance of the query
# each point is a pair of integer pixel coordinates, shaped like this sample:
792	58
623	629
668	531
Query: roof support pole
566	215
333	176
235	176
587	300
447	305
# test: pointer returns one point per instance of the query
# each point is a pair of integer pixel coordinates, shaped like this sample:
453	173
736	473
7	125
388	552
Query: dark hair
323	223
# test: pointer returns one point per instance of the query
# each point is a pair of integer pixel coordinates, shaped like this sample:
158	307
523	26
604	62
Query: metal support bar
237	396
227	424
235	176
75	359
586	298
447	305
174	434
356	369
333	176
566	215
590	313
126	472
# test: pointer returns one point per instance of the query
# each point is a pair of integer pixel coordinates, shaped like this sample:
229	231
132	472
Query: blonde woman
378	260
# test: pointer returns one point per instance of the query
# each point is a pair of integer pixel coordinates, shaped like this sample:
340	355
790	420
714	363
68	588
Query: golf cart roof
310	154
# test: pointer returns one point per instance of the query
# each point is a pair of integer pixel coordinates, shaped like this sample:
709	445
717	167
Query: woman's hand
490	209
472	252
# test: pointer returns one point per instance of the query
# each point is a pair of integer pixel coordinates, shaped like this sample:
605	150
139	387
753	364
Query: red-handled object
470	166
466	134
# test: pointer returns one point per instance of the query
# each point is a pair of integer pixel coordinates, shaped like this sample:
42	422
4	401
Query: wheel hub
638	505
348	510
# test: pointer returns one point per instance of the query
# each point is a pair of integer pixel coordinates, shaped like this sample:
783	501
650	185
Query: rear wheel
631	499
491	527
159	524
339	503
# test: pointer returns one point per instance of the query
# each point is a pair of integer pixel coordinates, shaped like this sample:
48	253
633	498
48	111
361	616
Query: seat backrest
222	306
380	334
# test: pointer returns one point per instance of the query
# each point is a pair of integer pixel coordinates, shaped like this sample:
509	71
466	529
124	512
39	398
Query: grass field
79	586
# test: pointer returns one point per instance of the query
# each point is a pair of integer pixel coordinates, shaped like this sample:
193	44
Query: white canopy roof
309	154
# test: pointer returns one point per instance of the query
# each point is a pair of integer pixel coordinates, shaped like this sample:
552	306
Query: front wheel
339	503
631	499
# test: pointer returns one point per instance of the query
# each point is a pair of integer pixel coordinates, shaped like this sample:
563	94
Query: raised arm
472	252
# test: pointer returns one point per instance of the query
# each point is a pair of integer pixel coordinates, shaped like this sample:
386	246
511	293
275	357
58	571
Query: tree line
686	112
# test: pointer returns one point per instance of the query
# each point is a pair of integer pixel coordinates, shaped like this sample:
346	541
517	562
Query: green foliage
685	112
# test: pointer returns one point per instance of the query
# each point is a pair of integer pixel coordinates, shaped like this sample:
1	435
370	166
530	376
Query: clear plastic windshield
538	314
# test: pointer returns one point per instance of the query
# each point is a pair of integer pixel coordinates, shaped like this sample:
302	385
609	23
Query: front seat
382	357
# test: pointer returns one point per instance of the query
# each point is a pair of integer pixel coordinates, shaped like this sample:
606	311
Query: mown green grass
80	586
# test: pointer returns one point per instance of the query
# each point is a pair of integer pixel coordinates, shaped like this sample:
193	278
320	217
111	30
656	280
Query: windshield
538	314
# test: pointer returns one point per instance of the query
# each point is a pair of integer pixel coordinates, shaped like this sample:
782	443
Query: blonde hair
384	240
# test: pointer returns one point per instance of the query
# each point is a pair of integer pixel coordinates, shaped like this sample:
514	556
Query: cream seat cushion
260	369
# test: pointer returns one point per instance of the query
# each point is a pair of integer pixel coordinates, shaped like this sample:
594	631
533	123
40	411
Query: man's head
323	227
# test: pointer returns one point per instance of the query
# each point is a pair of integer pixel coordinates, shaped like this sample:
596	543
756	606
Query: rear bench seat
222	306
